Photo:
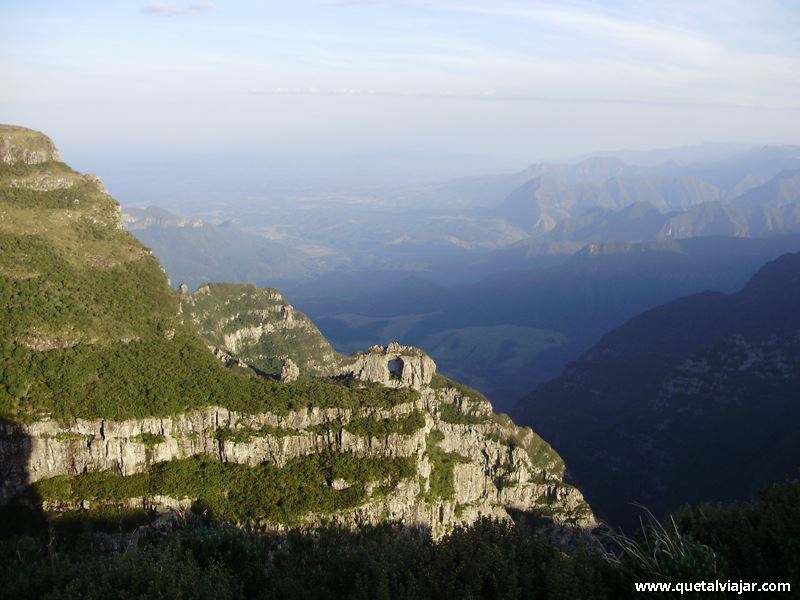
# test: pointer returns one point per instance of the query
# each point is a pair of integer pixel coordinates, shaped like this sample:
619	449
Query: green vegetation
327	428
754	542
490	559
442	465
451	413
66	436
91	328
150	440
237	493
130	381
370	427
225	309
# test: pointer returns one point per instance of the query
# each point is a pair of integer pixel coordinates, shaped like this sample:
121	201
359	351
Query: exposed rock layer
499	467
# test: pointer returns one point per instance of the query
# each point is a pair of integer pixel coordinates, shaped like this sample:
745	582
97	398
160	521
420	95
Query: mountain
152	216
694	400
541	203
260	328
114	409
702	192
768	209
640	221
196	252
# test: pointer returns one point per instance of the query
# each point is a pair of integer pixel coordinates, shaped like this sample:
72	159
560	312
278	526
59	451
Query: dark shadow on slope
20	506
566	536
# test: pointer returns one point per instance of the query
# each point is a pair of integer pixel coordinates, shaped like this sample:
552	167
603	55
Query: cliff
260	328
111	399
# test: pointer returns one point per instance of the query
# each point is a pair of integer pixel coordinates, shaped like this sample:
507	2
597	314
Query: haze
369	92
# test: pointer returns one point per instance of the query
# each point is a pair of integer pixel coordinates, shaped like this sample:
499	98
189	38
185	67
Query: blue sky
484	82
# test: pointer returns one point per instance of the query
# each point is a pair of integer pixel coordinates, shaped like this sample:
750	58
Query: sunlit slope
91	327
259	327
113	406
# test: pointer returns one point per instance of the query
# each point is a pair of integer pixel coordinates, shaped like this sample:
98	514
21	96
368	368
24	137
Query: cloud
491	95
344	3
171	10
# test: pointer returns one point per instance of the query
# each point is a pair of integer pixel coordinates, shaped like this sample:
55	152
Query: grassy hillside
91	327
259	327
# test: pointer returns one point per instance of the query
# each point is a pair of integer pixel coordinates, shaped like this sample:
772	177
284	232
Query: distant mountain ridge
153	216
554	195
195	251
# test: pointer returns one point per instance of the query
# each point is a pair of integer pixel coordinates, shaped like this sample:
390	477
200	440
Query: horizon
369	93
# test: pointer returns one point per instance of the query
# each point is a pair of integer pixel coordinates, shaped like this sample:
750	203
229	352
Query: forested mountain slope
113	405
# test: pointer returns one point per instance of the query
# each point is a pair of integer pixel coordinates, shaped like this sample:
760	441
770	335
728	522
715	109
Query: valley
408	300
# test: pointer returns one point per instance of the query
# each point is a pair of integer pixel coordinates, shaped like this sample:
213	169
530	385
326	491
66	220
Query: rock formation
261	328
497	466
18	144
393	366
110	380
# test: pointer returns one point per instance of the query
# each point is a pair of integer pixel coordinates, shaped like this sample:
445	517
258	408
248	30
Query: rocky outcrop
261	328
497	466
119	343
393	366
290	371
153	217
264	331
18	144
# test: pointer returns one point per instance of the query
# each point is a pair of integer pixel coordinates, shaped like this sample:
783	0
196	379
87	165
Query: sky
371	90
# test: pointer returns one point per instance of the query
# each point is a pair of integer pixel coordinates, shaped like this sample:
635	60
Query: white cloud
171	10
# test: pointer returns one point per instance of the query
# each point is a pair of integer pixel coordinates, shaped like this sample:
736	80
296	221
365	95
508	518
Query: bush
491	559
232	492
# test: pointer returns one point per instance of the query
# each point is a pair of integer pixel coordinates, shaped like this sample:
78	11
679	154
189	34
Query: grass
381	428
662	552
442	483
237	493
149	440
89	327
65	436
451	413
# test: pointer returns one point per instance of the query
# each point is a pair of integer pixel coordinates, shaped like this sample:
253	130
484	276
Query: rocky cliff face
18	144
489	465
111	399
393	366
260	328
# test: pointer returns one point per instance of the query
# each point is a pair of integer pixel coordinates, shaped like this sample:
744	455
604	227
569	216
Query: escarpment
21	145
119	394
260	328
